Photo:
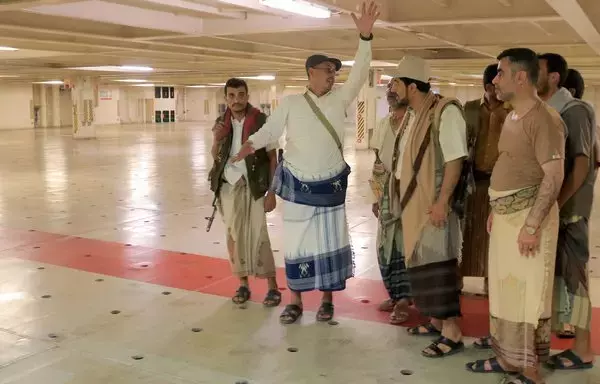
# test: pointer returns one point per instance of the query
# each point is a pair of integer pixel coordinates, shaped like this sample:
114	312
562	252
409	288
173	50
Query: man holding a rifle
242	193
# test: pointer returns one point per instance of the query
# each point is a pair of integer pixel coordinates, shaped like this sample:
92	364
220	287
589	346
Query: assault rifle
211	218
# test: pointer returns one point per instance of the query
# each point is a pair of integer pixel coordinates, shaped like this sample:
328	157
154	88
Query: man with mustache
432	145
389	231
243	192
484	117
572	305
312	177
523	224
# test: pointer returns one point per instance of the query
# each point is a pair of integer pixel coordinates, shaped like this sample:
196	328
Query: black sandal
430	330
520	379
483	343
273	298
325	312
241	295
455	347
565	334
478	366
556	362
290	314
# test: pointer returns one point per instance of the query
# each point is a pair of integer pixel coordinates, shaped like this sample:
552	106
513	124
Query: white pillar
55	106
366	111
84	97
43	123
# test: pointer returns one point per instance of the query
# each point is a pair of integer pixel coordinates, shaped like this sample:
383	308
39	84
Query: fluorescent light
260	77
8	76
452	84
50	82
132	81
115	68
374	63
143	85
10	49
299	7
386	77
204	86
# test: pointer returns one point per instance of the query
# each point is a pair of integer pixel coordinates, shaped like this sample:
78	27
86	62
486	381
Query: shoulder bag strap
416	167
325	122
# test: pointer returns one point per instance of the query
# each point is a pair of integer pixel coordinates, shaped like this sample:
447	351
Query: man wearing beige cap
432	145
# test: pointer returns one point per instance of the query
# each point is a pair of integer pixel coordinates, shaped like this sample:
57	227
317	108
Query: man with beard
431	148
485	117
243	192
523	224
572	306
312	177
389	231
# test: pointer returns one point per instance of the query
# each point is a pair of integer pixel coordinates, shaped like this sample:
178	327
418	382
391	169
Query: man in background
484	118
389	231
572	306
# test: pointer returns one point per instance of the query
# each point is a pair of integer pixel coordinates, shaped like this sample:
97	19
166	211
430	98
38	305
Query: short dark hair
235	83
575	81
526	59
491	71
556	63
421	86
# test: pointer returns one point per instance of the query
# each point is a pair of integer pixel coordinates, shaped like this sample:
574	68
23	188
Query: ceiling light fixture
143	85
115	68
204	86
259	77
51	82
9	49
299	7
374	63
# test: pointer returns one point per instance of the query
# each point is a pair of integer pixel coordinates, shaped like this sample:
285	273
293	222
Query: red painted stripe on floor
212	276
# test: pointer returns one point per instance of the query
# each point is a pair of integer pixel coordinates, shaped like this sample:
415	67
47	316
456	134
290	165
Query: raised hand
369	14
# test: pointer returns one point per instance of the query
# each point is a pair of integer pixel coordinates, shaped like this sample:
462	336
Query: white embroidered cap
413	67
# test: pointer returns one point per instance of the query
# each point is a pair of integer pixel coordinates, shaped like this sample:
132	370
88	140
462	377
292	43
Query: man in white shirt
431	150
313	176
243	192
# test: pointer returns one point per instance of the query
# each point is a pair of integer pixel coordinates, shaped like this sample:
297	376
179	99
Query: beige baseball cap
413	67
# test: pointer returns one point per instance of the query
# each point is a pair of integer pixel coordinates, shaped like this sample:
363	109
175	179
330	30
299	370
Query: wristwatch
530	230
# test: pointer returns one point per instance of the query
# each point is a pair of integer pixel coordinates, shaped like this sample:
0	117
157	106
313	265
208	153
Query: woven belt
516	202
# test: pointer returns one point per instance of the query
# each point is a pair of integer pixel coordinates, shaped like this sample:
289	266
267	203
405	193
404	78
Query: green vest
257	164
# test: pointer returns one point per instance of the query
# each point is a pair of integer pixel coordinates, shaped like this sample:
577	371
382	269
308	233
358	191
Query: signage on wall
104	94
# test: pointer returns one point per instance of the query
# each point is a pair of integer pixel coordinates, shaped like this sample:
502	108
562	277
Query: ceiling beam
19	5
575	16
254	5
119	14
188	7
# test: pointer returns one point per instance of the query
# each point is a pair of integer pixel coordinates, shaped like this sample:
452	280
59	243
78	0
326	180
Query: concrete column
84	97
366	111
55	106
43	107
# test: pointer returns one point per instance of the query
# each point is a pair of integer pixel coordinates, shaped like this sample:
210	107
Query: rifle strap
412	185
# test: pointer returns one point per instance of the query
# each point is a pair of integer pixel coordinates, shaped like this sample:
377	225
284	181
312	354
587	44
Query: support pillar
84	94
366	112
43	123
55	106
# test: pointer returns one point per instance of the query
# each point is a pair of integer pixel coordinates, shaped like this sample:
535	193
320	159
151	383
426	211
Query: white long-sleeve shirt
310	151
